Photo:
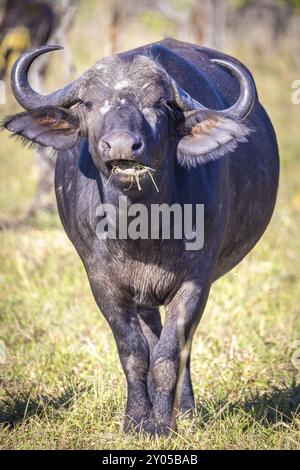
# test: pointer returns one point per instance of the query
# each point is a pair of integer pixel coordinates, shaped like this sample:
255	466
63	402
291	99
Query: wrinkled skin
131	279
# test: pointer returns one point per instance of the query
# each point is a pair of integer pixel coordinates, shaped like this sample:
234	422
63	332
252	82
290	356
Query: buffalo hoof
154	428
187	408
134	423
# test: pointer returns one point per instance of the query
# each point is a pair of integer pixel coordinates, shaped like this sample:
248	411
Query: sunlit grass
62	386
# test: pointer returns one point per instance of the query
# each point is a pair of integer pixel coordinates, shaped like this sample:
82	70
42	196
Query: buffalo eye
88	105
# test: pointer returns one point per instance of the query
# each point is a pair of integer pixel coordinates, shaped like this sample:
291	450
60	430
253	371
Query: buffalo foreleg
151	325
133	350
171	353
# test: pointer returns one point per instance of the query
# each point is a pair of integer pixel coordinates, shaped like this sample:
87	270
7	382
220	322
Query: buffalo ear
207	136
48	126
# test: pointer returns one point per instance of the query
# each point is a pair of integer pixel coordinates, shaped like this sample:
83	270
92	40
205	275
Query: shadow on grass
277	406
269	409
273	408
15	409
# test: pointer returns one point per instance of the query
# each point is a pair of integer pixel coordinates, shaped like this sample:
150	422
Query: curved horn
183	100
26	96
244	104
241	108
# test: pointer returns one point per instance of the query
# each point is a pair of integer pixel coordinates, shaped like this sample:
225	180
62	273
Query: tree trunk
218	23
208	20
111	46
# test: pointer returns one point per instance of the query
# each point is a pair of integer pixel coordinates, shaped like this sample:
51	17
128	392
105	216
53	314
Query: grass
62	386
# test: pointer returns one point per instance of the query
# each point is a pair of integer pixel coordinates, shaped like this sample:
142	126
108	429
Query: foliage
284	3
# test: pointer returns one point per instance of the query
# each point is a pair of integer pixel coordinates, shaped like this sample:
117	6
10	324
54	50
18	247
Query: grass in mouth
135	170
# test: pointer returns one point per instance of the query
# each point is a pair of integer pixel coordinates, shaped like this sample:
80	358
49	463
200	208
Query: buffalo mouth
128	168
131	170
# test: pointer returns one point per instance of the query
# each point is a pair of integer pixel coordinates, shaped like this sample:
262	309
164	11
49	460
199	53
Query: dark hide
230	167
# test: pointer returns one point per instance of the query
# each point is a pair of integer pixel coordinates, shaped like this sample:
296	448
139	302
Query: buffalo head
132	112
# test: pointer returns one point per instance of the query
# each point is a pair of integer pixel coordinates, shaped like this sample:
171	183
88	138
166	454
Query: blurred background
60	381
263	33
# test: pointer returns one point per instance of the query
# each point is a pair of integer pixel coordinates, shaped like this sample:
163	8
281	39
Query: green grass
62	385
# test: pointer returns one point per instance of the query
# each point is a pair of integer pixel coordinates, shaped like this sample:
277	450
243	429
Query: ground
61	385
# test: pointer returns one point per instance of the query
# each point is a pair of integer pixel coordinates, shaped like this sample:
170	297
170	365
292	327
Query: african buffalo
187	118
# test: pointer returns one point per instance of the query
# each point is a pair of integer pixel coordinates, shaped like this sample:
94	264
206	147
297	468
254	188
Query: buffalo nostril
121	144
136	146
